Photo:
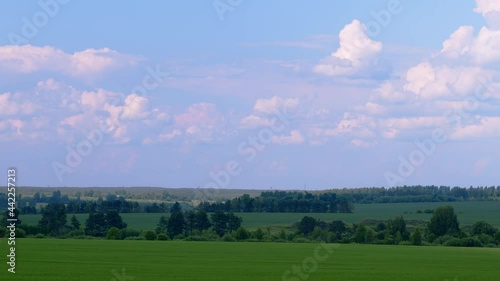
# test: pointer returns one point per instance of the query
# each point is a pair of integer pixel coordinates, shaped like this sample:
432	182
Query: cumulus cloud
356	52
480	50
430	83
295	137
9	105
274	104
254	121
201	121
363	144
490	9
89	62
487	127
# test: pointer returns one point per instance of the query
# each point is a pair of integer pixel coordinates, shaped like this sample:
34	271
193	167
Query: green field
468	213
92	260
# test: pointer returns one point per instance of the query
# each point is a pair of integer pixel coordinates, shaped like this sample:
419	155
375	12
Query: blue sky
250	94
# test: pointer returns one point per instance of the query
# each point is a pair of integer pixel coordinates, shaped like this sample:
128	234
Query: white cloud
362	143
487	127
355	53
276	103
459	42
431	83
254	121
387	93
9	106
295	137
480	50
487	6
200	120
89	62
136	107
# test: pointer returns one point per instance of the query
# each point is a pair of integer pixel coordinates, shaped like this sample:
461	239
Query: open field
92	260
468	213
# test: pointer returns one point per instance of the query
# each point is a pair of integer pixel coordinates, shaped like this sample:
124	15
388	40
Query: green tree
416	237
96	225
201	221
444	221
482	227
219	222
359	236
162	225
53	220
307	224
176	224
150	235
176	208
233	222
338	227
259	234
241	234
113	219
74	222
113	233
396	225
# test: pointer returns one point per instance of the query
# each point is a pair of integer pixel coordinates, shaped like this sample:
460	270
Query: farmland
468	213
85	260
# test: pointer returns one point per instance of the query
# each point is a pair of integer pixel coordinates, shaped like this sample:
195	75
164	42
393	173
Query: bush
112	234
128	232
300	240
20	233
30	229
195	238
210	235
241	234
465	242
74	233
162	237
281	240
485	239
405	243
497	237
134	238
443	239
255	240
228	238
150	235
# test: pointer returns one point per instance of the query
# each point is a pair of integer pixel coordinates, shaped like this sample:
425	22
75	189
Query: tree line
283	202
443	229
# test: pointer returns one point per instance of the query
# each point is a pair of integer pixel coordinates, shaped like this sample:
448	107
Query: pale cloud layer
89	62
347	110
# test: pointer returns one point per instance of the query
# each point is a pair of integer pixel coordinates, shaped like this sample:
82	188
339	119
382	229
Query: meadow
92	260
468	213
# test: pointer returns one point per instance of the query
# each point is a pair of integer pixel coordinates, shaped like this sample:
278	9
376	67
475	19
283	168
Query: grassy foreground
92	260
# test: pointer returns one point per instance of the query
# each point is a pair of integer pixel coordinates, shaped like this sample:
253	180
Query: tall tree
307	224
74	222
201	221
162	225
444	221
113	219
219	221
53	219
176	224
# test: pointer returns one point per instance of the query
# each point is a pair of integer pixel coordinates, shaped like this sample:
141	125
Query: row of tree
442	229
283	202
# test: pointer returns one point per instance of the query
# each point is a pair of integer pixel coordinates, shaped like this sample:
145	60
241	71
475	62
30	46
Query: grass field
468	213
93	260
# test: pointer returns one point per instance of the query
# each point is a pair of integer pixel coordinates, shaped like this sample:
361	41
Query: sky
250	94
